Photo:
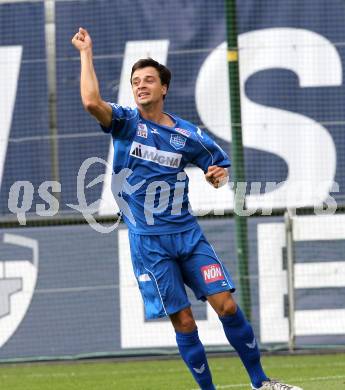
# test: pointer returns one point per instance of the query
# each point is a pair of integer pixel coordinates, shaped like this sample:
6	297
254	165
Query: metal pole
49	6
238	173
290	279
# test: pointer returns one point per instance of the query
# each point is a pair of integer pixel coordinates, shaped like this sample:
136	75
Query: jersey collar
157	124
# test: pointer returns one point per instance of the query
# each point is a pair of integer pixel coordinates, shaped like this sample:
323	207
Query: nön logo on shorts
212	273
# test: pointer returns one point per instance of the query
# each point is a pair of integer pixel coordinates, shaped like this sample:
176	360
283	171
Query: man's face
147	87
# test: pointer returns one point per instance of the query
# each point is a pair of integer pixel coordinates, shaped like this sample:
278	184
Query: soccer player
168	248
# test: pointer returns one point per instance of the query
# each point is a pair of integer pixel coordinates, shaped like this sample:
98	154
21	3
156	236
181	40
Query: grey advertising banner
69	291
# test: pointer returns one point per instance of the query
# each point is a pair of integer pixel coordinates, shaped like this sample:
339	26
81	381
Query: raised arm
89	87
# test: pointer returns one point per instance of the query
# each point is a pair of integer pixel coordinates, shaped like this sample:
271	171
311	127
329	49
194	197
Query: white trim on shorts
221	264
160	296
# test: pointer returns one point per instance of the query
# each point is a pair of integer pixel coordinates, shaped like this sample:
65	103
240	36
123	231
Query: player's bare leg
191	349
223	303
183	321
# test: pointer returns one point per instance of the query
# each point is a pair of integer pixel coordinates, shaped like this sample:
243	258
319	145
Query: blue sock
241	336
193	354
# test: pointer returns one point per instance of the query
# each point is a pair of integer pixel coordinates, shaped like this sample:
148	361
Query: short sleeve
121	116
208	152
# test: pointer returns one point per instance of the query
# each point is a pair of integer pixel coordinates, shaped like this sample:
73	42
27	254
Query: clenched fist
82	40
217	176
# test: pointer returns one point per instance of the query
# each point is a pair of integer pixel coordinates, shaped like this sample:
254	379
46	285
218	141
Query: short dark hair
163	71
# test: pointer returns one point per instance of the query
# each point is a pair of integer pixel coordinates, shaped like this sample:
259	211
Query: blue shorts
164	264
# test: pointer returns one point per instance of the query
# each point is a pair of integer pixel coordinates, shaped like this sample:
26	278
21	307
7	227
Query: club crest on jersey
150	153
211	273
177	141
142	130
183	131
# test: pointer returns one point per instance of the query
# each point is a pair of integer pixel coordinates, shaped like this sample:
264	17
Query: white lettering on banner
287	134
138	333
134	50
273	130
274	326
10	59
212	91
18	280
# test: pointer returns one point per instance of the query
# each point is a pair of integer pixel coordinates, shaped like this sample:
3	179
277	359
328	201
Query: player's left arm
212	159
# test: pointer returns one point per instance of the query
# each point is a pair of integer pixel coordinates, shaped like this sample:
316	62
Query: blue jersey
149	182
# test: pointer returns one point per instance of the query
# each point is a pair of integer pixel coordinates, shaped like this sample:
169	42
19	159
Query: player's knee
183	323
187	324
228	307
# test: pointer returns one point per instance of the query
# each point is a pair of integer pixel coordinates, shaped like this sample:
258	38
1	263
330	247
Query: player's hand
82	40
217	176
